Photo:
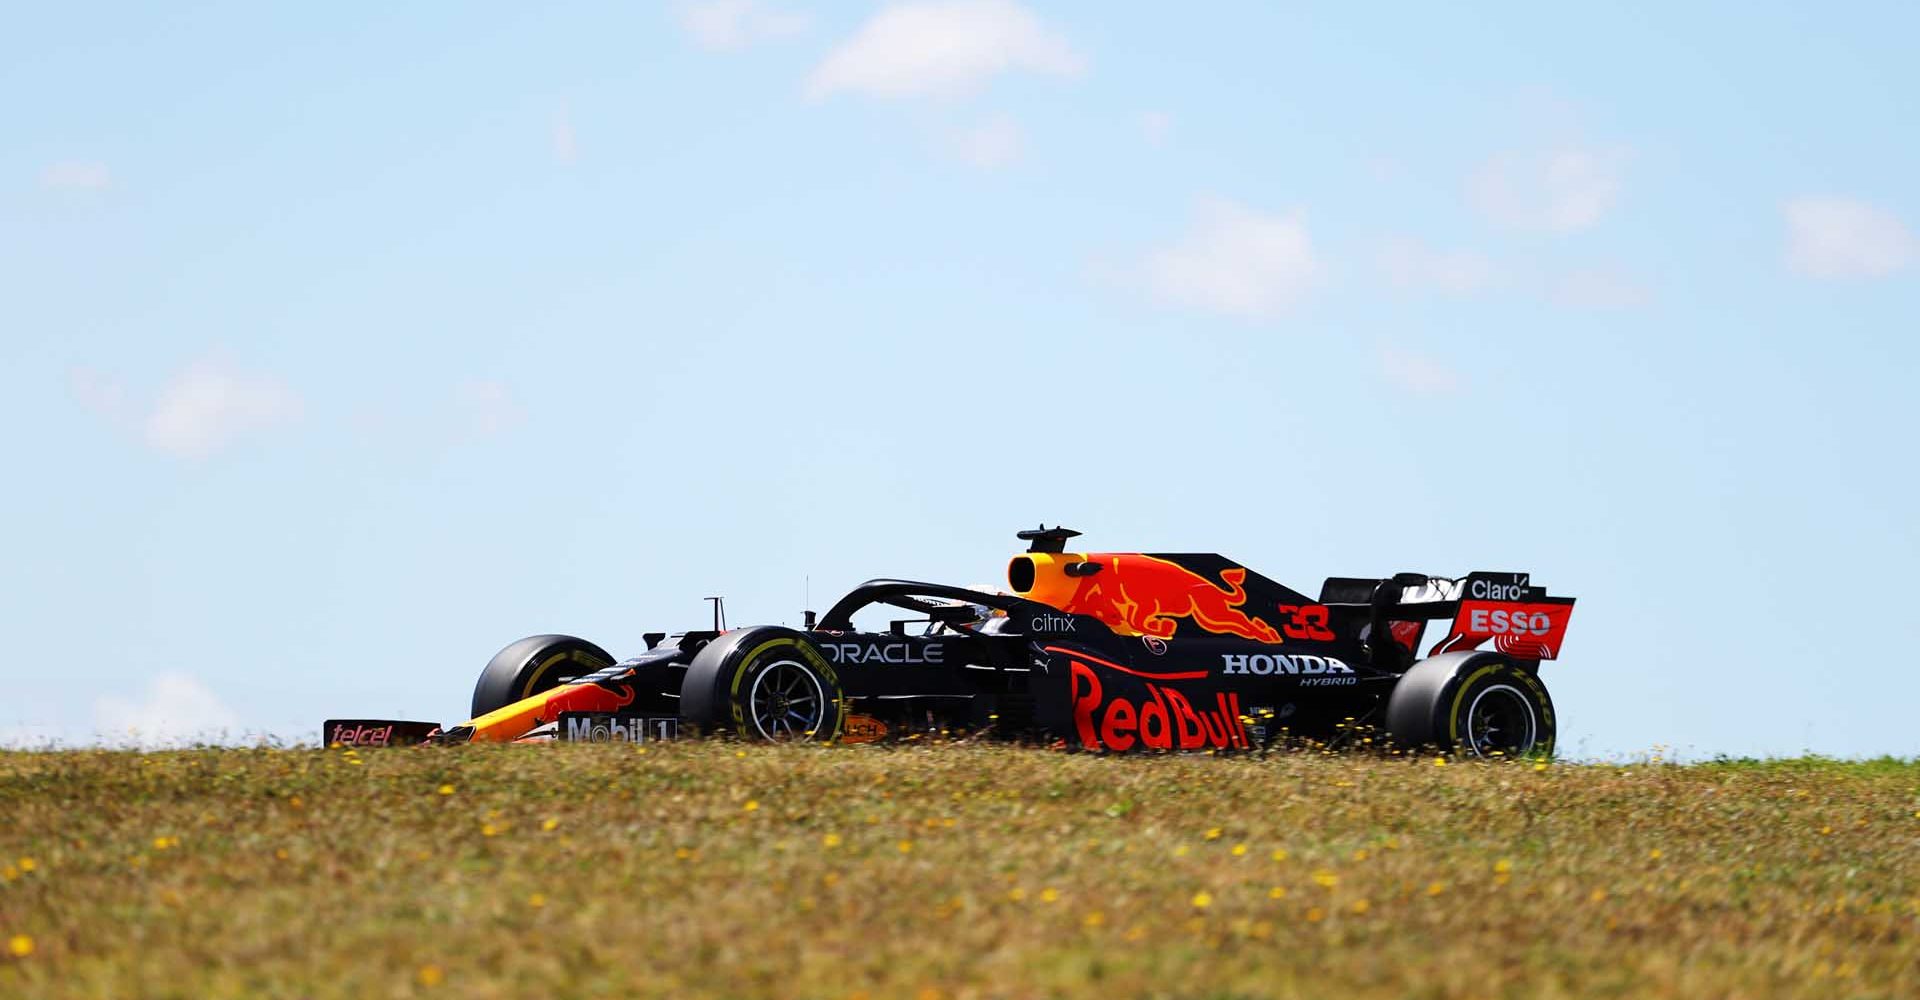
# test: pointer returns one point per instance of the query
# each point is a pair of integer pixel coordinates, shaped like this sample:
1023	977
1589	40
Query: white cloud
76	176
942	47
175	709
561	137
1414	266
1598	288
1418	374
1559	190
730	25
472	409
1155	125
484	407
211	404
991	144
1237	261
205	407
1834	237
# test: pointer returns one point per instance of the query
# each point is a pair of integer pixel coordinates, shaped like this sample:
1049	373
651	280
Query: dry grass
952	871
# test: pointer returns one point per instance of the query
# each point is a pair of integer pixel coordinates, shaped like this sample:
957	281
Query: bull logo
1143	595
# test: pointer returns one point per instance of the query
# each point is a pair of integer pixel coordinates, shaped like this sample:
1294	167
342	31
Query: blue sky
341	347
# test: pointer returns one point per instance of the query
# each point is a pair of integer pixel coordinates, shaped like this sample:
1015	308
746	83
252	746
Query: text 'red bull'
1166	720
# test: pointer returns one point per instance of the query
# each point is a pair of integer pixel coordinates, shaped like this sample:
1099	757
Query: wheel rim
787	702
1501	720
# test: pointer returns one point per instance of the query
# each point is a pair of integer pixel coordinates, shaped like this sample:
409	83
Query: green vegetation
714	869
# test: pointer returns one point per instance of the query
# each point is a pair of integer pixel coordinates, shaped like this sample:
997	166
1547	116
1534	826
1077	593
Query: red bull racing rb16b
1108	651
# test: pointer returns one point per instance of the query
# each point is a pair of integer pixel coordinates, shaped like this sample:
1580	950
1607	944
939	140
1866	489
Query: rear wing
1521	619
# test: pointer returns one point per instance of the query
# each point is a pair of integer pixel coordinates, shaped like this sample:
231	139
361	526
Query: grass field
948	871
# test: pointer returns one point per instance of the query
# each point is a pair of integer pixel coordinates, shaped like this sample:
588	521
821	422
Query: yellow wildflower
1202	899
1280	854
1277	892
431	976
550	824
536	900
1326	879
831	840
1436	888
751	806
20	946
1214	834
1095	919
1361	906
1239	850
28	865
446	789
906	847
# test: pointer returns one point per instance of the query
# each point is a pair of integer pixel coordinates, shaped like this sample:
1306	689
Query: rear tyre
766	683
1480	703
533	665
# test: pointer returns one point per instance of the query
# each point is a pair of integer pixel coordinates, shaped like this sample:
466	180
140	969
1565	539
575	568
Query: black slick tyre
1480	703
533	665
766	683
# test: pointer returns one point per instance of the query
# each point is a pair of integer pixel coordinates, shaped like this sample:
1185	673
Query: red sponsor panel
1166	718
1532	631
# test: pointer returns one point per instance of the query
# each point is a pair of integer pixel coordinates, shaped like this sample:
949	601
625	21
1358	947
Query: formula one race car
1108	651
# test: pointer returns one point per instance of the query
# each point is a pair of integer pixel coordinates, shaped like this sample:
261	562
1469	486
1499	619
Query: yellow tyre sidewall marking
813	659
580	656
1544	714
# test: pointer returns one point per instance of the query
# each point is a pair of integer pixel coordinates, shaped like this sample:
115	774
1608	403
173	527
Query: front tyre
1478	702
765	683
533	665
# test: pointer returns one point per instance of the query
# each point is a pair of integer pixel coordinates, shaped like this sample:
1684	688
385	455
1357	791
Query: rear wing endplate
1520	619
